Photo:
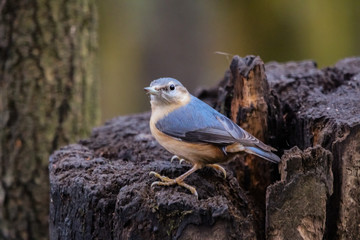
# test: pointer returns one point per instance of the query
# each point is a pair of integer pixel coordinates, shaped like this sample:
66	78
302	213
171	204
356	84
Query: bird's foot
218	168
165	181
181	160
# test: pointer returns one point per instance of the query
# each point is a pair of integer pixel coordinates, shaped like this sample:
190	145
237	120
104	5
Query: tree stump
321	107
100	187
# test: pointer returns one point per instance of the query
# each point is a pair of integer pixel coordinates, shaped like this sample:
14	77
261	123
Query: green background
142	40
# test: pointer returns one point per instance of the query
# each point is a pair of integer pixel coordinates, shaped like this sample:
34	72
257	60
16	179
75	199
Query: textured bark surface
100	187
245	97
321	107
47	99
296	205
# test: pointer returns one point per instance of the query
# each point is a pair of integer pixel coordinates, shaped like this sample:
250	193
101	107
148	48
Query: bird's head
167	91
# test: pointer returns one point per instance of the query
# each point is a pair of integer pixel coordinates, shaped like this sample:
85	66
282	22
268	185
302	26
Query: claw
162	183
165	181
190	188
154	183
218	168
177	157
162	178
173	158
152	173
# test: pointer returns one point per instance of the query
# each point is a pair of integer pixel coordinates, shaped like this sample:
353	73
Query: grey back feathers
193	123
198	122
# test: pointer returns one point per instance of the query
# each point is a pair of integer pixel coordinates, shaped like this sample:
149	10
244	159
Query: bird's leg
177	157
165	181
218	167
234	148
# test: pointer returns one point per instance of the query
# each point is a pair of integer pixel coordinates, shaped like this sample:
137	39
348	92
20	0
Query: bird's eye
172	87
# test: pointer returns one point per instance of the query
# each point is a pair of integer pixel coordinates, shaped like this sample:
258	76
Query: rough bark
244	96
296	205
321	107
100	187
47	99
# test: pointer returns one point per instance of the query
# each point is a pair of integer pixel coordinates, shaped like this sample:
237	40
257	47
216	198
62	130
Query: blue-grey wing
242	136
198	122
195	122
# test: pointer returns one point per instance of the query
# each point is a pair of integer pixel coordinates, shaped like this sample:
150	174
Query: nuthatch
192	130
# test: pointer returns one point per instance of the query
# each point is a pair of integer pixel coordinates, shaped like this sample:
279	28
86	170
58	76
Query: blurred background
48	96
143	40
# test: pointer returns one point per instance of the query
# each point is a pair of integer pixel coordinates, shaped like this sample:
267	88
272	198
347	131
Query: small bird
192	130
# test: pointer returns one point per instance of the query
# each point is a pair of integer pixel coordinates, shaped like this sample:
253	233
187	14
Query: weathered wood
321	107
245	97
100	187
47	99
296	205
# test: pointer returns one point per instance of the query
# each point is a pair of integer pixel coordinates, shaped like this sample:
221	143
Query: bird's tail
263	154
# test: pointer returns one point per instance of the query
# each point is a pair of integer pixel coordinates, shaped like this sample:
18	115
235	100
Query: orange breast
200	153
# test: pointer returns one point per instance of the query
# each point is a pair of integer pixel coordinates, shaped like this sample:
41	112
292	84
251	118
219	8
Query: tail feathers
263	154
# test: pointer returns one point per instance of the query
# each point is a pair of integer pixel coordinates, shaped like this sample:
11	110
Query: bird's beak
151	90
